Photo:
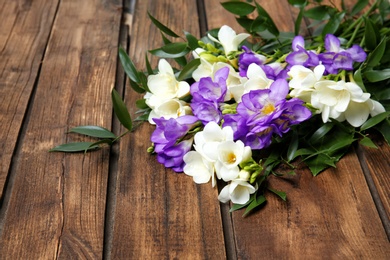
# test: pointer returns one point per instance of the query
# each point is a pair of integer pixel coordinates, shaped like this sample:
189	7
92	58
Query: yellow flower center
268	109
231	158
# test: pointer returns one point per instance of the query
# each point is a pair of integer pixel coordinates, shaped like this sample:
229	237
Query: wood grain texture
331	215
378	161
55	202
161	214
24	30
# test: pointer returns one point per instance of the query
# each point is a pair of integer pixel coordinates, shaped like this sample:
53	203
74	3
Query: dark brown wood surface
58	64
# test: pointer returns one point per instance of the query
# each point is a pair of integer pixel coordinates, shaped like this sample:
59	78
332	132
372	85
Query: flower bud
244	175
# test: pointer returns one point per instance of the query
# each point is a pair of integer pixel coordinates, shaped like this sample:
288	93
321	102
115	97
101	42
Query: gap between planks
373	190
120	86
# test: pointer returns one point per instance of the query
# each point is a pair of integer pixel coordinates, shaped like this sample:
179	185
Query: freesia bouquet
239	105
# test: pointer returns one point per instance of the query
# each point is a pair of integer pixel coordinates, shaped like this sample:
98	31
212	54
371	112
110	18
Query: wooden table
59	62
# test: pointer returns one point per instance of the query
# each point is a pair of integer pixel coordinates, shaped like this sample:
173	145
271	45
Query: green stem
354	33
358	22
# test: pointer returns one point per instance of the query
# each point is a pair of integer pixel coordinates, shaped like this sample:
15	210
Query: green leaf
128	66
192	41
298	3
370	36
319	163
318	13
240	206
281	194
148	67
143	117
384	129
162	27
141	104
359	80
121	111
187	71
359	6
254	204
374	120
238	8
297	25
144	81
74	147
376	55
174	48
245	23
292	148
94	131
271	27
163	54
304	151
136	87
258	25
367	142
377	75
321	132
333	24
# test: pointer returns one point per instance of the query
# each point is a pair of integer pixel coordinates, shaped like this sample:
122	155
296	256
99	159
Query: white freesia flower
335	98
215	152
228	156
198	167
164	86
257	79
172	108
238	191
357	113
303	80
165	92
228	38
207	141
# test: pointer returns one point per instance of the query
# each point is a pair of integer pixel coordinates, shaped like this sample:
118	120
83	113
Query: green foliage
120	110
238	8
93	131
74	147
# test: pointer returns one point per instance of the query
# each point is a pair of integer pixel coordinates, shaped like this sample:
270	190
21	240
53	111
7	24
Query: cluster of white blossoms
339	100
165	93
216	154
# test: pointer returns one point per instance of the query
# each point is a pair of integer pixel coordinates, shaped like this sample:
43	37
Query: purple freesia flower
247	58
172	156
265	104
336	58
207	95
264	113
165	138
301	56
238	125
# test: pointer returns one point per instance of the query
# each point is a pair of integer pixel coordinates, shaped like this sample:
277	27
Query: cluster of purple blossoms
272	71
263	113
165	138
334	58
207	96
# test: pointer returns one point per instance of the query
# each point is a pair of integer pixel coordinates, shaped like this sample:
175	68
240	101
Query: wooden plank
378	162
330	215
55	203
25	27
160	214
218	16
